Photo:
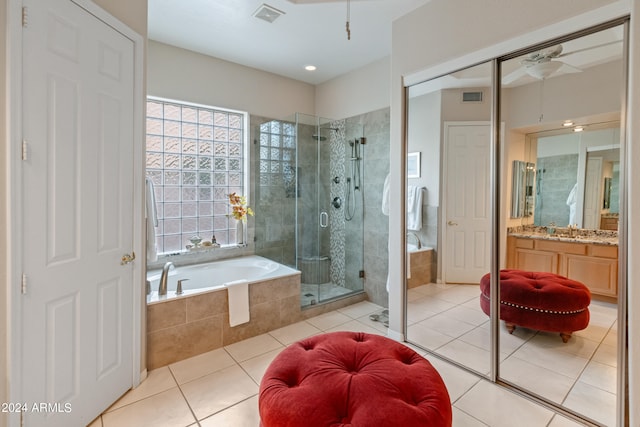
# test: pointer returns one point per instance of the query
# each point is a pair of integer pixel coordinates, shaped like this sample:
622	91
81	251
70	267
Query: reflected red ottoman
541	301
352	379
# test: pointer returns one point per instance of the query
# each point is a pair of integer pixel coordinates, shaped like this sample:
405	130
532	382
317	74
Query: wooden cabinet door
533	260
599	274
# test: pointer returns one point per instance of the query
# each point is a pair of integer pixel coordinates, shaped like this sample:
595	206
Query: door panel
467	238
78	204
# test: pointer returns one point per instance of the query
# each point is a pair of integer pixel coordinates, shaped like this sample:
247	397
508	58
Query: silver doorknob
452	223
126	258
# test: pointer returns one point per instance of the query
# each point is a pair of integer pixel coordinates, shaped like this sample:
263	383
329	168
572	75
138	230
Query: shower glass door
329	208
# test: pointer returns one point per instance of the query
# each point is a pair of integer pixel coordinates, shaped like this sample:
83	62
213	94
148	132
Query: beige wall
360	91
184	75
133	13
430	41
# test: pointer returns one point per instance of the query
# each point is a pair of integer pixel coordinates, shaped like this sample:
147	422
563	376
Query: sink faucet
162	289
418	242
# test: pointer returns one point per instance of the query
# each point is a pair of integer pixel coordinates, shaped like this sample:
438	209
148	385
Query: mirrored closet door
448	215
561	105
545	215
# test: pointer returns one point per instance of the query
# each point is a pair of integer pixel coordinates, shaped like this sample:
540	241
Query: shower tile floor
311	294
220	388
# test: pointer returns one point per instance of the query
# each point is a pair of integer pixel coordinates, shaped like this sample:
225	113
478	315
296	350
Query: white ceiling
577	55
309	32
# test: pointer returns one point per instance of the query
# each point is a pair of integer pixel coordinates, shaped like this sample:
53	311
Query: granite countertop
598	237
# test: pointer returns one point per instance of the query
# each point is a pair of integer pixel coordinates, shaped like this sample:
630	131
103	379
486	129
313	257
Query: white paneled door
467	231
78	214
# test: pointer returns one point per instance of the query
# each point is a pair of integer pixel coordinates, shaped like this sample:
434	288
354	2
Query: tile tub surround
420	262
188	326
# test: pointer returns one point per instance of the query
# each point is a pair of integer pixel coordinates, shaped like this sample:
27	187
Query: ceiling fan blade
566	68
584	49
514	75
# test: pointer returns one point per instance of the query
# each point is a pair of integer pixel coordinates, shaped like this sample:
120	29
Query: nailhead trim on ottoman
542	301
352	379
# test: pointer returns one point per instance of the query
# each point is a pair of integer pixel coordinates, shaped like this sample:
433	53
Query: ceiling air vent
471	96
267	13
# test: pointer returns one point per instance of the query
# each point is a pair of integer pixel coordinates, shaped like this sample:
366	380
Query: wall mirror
448	216
560	154
522	181
571	169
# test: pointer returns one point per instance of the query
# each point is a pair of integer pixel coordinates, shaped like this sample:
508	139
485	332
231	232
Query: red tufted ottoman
352	379
542	301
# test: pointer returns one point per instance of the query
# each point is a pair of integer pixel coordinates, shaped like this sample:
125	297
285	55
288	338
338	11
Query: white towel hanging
238	294
385	196
152	221
414	207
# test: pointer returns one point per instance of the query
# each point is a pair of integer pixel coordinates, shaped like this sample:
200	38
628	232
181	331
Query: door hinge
23	284
25	16
25	150
361	274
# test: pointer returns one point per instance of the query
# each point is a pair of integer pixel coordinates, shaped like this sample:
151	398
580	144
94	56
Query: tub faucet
418	242
162	289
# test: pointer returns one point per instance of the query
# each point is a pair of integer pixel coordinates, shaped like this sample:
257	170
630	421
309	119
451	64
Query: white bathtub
414	248
213	275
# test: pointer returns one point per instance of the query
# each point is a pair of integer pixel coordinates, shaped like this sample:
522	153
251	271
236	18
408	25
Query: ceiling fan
543	63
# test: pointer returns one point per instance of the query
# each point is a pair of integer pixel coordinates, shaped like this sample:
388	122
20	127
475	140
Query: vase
240	232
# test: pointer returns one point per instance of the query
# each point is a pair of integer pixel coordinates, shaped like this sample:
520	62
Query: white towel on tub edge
238	294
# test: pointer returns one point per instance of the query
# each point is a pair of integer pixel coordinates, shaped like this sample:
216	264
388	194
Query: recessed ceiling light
567	123
310	67
578	129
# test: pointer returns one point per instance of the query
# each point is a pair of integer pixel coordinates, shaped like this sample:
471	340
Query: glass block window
195	158
278	156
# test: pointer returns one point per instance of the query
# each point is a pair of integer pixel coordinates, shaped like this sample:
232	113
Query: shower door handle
324	219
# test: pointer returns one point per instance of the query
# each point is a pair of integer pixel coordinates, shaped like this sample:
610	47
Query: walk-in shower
309	210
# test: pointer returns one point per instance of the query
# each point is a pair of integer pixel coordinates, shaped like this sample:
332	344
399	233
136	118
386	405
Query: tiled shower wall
555	177
375	168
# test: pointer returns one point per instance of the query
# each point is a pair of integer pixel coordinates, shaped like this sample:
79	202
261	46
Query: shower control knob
336	179
337	202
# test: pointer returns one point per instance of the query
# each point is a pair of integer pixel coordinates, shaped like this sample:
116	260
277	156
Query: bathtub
213	275
414	248
420	265
197	321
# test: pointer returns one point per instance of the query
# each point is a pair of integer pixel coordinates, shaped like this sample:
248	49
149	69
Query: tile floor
581	374
220	388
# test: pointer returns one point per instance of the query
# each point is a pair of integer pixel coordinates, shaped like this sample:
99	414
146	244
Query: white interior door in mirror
467	233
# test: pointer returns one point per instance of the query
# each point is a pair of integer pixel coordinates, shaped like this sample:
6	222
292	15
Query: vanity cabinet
592	264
